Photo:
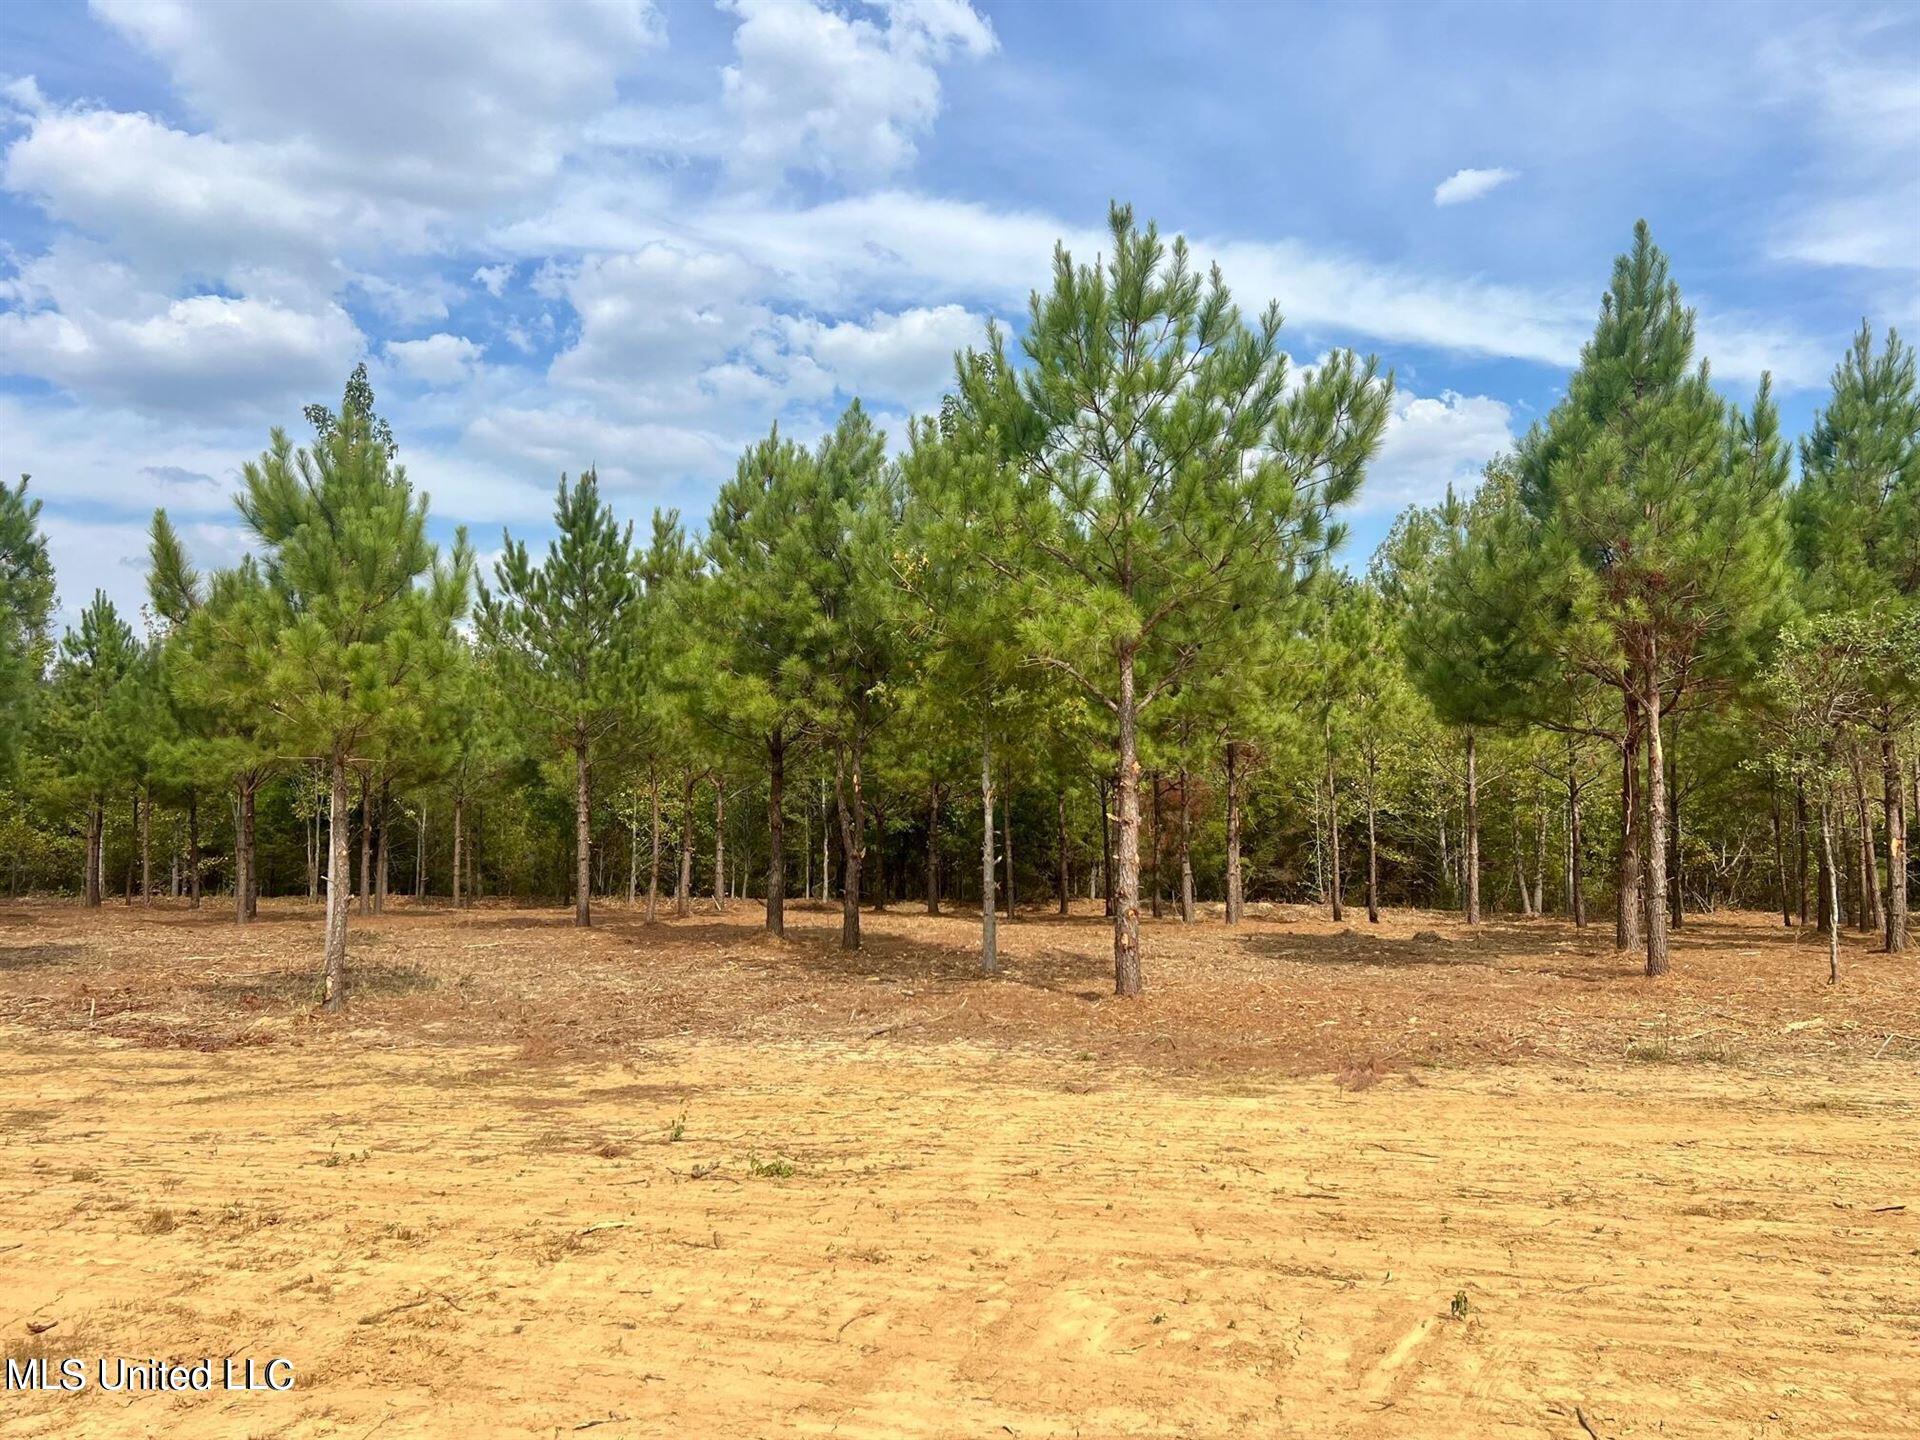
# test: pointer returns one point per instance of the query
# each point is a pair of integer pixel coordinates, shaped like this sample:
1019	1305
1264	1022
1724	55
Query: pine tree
564	631
1661	539
1161	469
26	604
366	611
1856	522
93	721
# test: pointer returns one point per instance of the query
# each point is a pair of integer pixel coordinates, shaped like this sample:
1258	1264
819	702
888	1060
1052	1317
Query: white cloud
837	94
1432	442
493	278
439	360
905	357
1465	185
487	94
208	354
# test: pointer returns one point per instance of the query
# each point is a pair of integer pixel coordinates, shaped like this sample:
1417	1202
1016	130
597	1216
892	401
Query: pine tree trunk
459	845
242	853
1520	865
848	796
193	849
1872	910
1627	906
719	846
582	834
1066	900
1186	848
1576	844
1373	849
1539	855
776	832
1126	900
1896	845
1236	895
1658	959
683	887
1006	841
383	852
339	884
420	856
1676	900
1780	861
1109	794
989	938
1470	840
653	864
96	836
146	845
1830	893
1802	840
363	890
133	842
933	850
1153	842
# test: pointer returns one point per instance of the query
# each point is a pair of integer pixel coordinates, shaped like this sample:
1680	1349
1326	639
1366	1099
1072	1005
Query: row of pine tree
1086	625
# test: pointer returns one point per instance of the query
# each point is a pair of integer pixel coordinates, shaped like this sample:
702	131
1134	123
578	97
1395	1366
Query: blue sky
634	235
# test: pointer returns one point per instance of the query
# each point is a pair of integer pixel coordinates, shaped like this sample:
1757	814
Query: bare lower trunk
719	846
1830	894
1896	801
1676	897
1153	843
683	887
146	845
1126	900
1006	841
339	884
1658	959
382	852
989	919
1186	848
1626	926
243	854
1236	896
1780	861
1373	853
1802	839
96	835
1520	866
1576	846
1872	909
193	849
933	850
1470	841
776	833
459	843
653	865
582	835
1066	902
364	892
850	800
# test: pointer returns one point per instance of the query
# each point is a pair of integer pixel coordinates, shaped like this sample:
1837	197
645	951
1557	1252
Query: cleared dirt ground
687	1180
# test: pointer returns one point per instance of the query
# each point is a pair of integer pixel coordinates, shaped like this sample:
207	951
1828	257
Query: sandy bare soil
684	1180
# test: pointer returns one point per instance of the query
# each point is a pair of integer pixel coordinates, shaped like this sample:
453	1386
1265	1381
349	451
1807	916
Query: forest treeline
1083	633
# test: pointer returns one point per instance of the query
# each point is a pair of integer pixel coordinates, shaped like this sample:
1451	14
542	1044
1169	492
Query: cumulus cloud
1465	185
837	94
440	359
1432	442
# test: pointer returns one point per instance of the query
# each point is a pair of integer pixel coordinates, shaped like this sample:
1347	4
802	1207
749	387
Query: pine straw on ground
1289	991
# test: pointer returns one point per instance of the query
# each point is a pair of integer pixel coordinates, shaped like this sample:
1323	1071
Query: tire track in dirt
969	1239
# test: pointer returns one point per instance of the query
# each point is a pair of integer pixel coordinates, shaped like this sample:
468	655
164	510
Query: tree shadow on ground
303	986
30	957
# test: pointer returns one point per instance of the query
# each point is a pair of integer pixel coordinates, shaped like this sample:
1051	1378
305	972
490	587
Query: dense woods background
1086	634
